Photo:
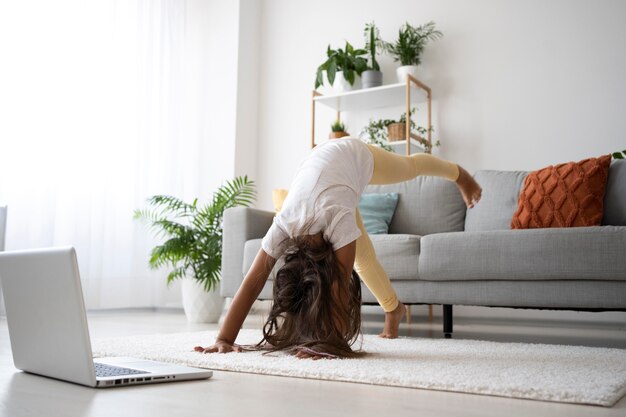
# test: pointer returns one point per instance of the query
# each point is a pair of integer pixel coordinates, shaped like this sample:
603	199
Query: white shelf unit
411	92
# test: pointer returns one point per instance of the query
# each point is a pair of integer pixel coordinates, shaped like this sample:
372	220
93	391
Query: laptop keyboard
103	370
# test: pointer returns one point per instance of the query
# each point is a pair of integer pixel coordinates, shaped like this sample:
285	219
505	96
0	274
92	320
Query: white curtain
101	106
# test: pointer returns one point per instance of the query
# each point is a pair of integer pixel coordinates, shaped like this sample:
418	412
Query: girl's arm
345	256
247	293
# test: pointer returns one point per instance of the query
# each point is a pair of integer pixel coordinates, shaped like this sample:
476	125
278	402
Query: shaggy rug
571	374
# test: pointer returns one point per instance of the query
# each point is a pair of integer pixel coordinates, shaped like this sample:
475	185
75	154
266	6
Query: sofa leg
447	320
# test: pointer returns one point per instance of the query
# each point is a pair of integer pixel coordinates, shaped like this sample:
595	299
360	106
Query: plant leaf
349	49
318	78
332	71
176	273
349	76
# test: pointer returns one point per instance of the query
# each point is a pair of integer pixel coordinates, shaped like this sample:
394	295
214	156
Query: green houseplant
337	129
341	64
372	77
383	131
193	233
376	133
409	45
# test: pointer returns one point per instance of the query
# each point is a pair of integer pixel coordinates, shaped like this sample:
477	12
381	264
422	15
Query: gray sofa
439	252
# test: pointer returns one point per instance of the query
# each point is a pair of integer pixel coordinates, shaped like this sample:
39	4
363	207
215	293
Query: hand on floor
219	347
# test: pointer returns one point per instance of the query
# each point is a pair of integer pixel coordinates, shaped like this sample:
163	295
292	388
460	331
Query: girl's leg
371	272
375	278
391	168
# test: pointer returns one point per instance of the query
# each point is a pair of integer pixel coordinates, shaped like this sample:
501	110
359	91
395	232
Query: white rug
572	374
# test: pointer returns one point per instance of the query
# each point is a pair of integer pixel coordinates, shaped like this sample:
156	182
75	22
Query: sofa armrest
240	225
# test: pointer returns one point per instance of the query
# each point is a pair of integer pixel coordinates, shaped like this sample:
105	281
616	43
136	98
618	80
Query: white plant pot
341	85
201	306
402	72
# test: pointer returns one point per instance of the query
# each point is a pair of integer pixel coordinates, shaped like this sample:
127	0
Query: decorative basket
396	132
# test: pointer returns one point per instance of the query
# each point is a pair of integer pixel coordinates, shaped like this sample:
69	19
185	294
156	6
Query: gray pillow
498	202
425	205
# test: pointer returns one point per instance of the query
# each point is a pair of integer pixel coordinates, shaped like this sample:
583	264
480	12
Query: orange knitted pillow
564	195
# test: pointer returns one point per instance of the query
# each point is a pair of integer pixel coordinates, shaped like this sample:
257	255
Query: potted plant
193	245
409	46
372	77
382	131
341	68
337	130
396	130
376	133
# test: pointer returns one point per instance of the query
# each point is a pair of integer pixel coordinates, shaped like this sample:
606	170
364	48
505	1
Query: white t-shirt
323	196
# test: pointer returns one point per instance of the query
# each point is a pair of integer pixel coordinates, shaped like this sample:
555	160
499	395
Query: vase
201	306
371	78
405	70
341	85
337	135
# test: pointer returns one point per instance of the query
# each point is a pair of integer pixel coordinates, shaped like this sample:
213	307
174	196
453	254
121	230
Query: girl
317	298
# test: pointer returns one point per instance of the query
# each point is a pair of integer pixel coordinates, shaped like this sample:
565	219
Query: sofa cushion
498	202
591	253
377	211
426	205
615	197
398	254
564	195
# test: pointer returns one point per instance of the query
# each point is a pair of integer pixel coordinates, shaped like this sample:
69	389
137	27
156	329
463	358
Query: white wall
517	84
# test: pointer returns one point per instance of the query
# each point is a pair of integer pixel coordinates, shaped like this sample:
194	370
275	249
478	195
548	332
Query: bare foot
470	189
392	322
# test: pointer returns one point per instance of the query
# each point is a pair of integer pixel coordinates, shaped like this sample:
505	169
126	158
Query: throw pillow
377	211
564	195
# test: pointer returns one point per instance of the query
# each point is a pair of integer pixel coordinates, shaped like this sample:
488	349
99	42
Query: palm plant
194	233
411	41
349	61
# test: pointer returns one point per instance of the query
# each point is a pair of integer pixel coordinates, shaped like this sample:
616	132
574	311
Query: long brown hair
316	306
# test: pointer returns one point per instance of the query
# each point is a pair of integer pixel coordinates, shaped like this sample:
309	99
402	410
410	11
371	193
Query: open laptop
48	325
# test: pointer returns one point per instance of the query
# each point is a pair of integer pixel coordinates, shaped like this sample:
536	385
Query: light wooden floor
237	394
